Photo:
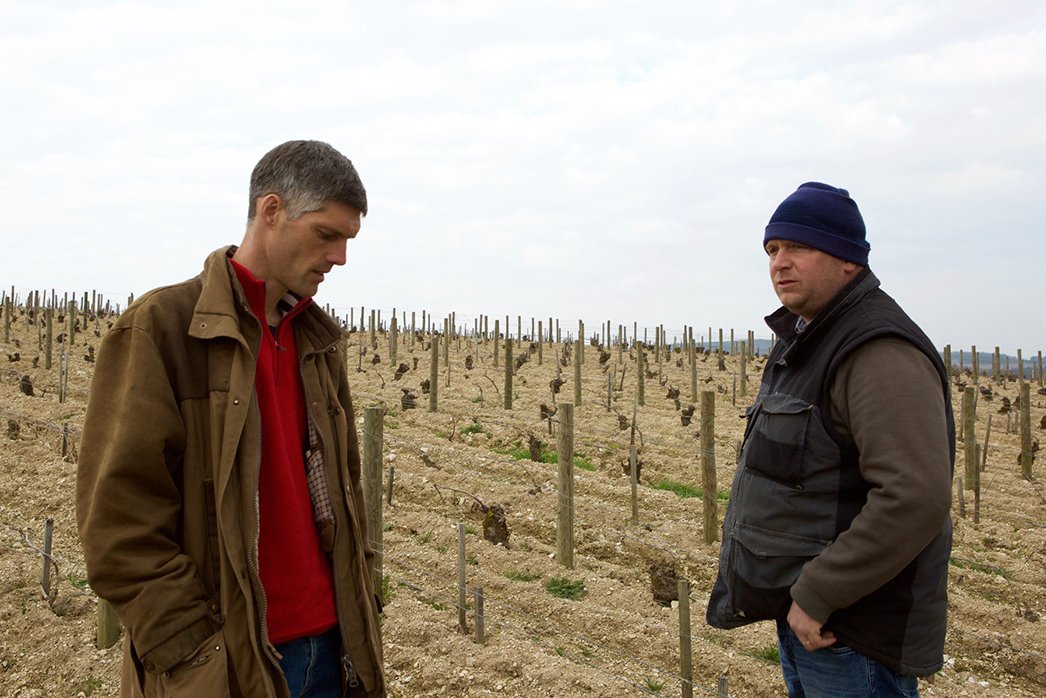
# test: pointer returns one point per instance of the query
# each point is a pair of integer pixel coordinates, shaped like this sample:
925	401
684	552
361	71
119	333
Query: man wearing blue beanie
838	525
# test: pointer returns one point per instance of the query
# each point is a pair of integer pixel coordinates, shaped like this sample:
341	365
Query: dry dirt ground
612	640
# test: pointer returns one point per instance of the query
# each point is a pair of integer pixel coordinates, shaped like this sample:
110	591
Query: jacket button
203	325
236	401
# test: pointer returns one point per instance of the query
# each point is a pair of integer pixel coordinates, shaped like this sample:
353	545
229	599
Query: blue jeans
311	665
837	671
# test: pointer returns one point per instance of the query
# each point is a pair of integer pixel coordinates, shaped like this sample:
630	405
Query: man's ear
266	207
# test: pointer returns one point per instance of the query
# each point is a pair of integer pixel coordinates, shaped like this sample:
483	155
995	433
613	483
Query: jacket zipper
351	678
252	559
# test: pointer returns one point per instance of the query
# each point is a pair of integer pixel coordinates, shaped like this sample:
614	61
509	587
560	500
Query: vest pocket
763	567
778	437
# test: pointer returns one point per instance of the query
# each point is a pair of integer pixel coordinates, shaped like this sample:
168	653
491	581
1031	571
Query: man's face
804	278
301	251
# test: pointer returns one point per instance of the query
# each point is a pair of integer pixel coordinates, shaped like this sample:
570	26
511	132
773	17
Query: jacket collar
223	303
783	322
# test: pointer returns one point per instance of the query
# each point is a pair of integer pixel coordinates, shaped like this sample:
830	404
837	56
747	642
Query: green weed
563	588
686	491
767	654
964	564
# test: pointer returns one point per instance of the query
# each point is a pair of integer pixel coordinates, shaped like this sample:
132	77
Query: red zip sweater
295	574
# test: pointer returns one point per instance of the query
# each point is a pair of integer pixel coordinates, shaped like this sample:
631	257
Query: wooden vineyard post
1026	452
977	486
659	342
686	669
987	439
581	339
448	330
975	360
373	443
108	625
969	419
434	373
610	391
7	320
708	478
393	338
390	478
640	374
462	623
577	371
565	509
960	495
45	568
70	320
63	373
693	371
744	369
477	598
49	337
633	466
508	373
947	354
497	341
540	343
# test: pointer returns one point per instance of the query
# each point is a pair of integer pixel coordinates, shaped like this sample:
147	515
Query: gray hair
306	175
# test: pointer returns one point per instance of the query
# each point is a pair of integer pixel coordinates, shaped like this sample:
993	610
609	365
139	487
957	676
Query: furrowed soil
591	630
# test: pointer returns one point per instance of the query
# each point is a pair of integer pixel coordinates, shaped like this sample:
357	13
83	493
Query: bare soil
612	640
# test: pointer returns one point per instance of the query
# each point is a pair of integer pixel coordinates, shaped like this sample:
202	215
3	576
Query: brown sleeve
887	397
129	506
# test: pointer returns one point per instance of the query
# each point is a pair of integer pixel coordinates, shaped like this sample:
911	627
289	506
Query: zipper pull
350	672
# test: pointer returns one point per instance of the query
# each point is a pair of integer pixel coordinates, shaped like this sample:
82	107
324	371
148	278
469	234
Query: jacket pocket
763	565
203	673
778	438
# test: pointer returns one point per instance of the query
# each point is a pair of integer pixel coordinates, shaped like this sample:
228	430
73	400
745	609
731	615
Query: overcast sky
598	160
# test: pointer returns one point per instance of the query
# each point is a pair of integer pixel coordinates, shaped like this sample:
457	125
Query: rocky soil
593	630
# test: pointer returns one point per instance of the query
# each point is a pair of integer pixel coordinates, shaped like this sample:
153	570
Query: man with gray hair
218	493
838	526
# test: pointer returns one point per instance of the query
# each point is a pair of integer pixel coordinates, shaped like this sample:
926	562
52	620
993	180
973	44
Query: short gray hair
306	175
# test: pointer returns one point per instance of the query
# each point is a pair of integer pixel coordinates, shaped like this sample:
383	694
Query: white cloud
621	157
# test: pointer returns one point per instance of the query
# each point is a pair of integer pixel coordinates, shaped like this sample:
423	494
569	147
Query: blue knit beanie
822	217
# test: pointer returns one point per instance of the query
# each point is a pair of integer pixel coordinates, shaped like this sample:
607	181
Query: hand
808	630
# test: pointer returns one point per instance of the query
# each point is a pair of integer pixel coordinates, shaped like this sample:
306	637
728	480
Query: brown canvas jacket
167	491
